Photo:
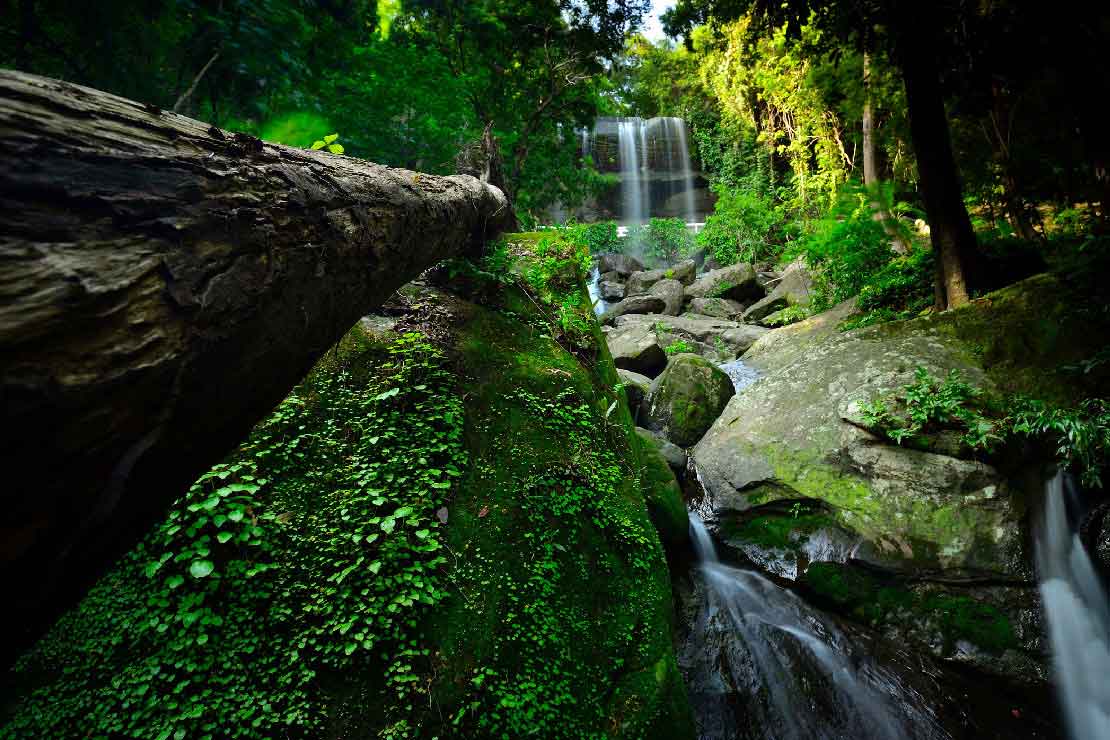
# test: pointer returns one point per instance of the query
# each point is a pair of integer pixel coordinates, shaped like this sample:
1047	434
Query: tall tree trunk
164	284
870	168
949	225
1018	212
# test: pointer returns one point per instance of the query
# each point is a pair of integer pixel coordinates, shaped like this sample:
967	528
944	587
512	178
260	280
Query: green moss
775	530
662	493
952	618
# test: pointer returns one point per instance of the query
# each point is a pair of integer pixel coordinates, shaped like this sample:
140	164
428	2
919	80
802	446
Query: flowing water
594	288
648	150
741	373
632	193
762	663
1078	612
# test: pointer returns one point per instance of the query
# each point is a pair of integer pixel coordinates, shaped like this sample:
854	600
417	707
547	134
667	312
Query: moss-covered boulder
686	399
736	282
931	508
442	532
794	288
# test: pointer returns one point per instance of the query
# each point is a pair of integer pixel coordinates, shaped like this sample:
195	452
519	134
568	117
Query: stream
1078	612
762	663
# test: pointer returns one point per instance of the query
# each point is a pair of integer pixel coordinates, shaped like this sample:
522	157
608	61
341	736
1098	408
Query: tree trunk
870	169
949	225
164	285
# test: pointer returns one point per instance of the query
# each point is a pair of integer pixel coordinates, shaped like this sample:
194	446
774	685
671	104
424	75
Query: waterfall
632	197
799	674
687	173
1078	613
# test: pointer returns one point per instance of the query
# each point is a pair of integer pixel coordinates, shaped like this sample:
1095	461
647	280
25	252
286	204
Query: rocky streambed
846	560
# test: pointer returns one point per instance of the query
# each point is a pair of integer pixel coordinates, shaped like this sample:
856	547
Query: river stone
661	491
740	339
611	291
794	289
721	308
622	264
637	304
636	348
786	437
641	282
672	292
686	398
636	387
737	282
612	277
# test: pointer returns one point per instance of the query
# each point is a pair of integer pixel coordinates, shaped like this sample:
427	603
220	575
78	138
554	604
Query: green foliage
661	241
788	315
846	251
900	289
330	143
928	405
678	346
1080	435
600	237
742	227
313	550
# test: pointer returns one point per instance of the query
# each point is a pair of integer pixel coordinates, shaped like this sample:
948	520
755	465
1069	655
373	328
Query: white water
594	288
784	646
675	131
632	197
741	374
1078	612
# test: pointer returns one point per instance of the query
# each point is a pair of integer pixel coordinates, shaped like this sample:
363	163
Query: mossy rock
662	493
686	399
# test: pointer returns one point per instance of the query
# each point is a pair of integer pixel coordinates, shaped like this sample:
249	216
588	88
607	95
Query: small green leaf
318	144
330	138
201	568
336	148
223	537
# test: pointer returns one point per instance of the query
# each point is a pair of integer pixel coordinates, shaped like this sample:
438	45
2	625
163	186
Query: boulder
611	291
635	347
637	304
636	387
686	399
612	276
721	308
793	289
737	282
661	491
740	339
622	264
640	282
672	292
674	455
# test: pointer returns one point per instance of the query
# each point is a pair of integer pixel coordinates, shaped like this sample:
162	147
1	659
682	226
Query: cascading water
1078	612
675	131
632	196
796	672
594	287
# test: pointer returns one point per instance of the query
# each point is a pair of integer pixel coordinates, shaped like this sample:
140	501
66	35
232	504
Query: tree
165	283
913	39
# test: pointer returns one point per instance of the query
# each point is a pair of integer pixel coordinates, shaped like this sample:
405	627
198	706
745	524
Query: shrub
599	238
742	226
660	241
679	346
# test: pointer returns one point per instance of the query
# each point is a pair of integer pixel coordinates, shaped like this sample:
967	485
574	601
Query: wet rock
635	347
636	387
737	282
611	291
622	264
672	292
741	338
662	493
641	282
613	277
793	289
721	308
685	399
637	304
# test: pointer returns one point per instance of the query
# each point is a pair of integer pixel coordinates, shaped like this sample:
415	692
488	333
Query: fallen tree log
164	284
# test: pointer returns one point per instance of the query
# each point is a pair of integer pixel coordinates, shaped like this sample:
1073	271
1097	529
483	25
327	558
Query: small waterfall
1078	612
797	673
675	129
632	195
594	288
741	373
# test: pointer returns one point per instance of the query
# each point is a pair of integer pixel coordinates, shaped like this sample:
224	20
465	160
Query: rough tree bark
949	225
164	284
